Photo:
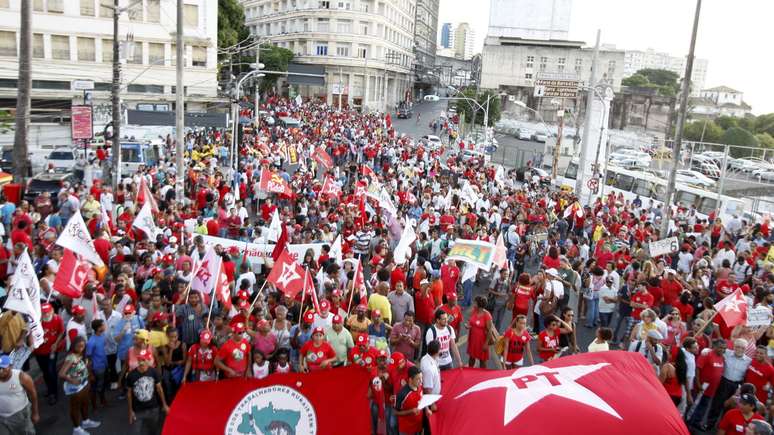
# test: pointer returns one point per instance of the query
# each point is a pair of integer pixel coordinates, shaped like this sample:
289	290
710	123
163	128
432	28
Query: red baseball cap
309	318
324	305
78	310
205	336
362	339
159	317
336	292
337	319
262	322
46	308
452	296
382	354
242	294
376	313
362	307
238	327
144	355
318	330
233	250
129	309
243	304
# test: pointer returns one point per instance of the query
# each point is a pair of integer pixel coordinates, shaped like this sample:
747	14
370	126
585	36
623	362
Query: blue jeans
592	312
389	417
699	410
467	288
605	319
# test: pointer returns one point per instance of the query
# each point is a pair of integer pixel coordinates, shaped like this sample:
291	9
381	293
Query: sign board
663	247
81	122
540	91
556	88
82	85
760	316
476	252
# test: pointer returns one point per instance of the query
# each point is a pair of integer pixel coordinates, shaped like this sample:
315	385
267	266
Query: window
56	6
153	11
305	24
708	205
364	28
137	58
362	52
155	53
643	188
572	171
86	49
106	8
146	89
107	51
37	46
578	65
611	67
345	5
344	26
37	5
173	56
191	15
560	62
87	8
7	43
624	182
60	47
530	62
135	12
528	76
322	48
322	25
199	56
325	4
342	50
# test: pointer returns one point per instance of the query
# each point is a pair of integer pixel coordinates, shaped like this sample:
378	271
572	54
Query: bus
136	154
633	183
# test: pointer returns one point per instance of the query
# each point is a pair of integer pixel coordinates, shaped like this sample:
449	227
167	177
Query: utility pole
558	143
23	102
667	212
179	106
114	99
587	126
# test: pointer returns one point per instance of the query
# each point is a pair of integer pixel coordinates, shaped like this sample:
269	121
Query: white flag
406	239
76	238
337	251
469	272
501	254
207	272
144	222
24	296
424	227
275	228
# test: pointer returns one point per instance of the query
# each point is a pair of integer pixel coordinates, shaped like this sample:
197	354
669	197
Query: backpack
548	306
424	339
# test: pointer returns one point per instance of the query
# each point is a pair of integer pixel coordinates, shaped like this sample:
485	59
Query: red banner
72	275
274	183
323	402
81	122
596	393
323	158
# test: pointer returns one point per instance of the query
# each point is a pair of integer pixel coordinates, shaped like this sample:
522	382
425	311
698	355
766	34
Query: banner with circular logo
270	410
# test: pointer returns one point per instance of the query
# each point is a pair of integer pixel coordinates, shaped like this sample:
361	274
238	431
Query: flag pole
255	299
212	299
354	283
303	295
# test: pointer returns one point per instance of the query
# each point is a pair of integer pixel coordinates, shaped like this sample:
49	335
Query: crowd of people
139	332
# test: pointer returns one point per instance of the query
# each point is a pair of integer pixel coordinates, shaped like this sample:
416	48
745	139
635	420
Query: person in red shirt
450	274
19	235
316	354
548	339
517	340
641	300
711	365
736	420
233	357
760	373
45	354
453	311
671	288
683	304
521	294
363	354
407	404
424	304
200	364
213	228
242	316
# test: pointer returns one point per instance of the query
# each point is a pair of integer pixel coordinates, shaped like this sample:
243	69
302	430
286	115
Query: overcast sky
733	35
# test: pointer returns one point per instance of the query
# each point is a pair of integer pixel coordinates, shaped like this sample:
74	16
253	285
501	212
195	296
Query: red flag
287	275
366	171
272	182
323	158
294	402
222	289
330	188
72	275
144	193
312	291
733	309
597	393
279	248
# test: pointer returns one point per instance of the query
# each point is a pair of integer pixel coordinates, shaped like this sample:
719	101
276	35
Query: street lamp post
542	122
234	160
476	108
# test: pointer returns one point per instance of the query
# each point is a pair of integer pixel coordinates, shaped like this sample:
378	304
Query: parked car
525	134
7	162
746	165
61	160
766	175
405	113
47	182
434	142
469	155
626	153
540	137
694	177
707	168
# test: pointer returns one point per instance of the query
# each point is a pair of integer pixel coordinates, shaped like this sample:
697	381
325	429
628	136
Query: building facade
635	60
513	64
365	46
425	45
464	41
73	40
446	36
530	19
719	101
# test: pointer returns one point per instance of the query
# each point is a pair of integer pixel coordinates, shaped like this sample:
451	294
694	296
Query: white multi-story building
73	40
635	60
720	101
464	41
362	44
530	19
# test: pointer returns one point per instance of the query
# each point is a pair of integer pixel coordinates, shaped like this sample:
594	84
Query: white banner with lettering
258	252
759	316
663	247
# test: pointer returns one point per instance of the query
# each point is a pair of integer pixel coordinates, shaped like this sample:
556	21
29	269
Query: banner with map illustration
333	401
476	252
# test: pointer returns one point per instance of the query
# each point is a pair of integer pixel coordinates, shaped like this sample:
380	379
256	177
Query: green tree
231	23
765	124
275	59
726	122
765	140
665	82
742	137
6	121
636	81
706	130
468	107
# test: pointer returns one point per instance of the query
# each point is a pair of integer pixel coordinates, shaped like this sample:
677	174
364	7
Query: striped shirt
363	241
736	367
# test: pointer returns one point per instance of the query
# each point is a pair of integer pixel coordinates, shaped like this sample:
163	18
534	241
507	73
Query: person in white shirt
686	360
445	335
608	300
431	371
